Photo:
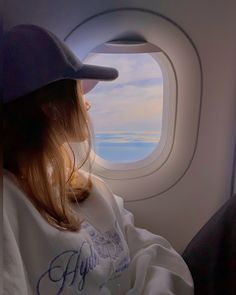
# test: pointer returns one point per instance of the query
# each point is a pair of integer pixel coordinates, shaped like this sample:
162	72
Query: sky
133	102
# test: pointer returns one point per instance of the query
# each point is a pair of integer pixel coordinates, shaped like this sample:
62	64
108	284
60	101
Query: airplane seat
211	255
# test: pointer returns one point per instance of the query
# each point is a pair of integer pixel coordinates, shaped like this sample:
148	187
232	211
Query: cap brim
97	73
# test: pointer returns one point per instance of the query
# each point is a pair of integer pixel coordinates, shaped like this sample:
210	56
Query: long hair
37	129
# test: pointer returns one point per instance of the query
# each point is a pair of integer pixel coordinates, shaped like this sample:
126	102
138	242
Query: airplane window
147	121
127	113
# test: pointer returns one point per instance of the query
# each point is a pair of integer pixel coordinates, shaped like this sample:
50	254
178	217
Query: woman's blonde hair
35	128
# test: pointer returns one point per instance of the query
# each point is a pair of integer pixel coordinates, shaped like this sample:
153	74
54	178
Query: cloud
128	93
124	115
132	103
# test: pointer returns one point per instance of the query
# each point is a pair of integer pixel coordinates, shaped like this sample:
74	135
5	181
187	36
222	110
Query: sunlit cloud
128	137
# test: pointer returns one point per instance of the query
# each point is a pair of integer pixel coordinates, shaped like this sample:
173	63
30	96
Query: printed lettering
68	268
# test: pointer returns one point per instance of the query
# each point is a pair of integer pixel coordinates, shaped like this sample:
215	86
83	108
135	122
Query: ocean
125	147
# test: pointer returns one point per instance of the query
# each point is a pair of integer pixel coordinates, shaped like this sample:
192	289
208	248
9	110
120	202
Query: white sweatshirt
109	255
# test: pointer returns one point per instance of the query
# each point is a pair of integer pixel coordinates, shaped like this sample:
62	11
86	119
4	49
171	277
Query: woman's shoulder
19	211
13	195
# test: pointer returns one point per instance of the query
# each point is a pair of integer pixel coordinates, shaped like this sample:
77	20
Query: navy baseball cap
33	57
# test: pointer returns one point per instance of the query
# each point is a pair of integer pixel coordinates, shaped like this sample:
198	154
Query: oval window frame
186	66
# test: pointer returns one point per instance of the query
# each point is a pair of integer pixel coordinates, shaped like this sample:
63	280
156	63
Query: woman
64	230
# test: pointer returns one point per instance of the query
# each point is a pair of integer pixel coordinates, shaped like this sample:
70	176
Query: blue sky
131	103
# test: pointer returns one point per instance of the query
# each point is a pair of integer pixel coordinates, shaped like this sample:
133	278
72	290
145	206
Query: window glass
127	113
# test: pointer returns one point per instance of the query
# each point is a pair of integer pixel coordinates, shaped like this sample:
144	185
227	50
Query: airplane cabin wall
180	212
